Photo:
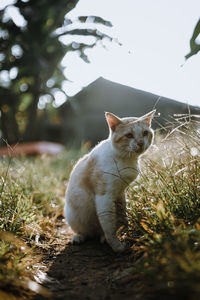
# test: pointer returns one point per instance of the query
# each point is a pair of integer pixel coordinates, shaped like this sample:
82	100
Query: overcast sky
155	38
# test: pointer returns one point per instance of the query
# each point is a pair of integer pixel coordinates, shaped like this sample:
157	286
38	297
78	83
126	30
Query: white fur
90	214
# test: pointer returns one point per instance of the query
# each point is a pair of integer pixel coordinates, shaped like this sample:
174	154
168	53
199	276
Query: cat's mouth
135	151
139	150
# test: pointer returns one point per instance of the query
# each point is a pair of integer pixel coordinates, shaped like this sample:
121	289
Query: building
83	115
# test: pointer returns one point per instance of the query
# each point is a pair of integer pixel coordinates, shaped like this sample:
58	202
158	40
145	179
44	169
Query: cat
95	196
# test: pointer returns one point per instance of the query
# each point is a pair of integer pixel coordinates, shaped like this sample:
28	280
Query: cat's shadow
82	271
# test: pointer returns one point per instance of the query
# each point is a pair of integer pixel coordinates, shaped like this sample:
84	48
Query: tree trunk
31	128
9	126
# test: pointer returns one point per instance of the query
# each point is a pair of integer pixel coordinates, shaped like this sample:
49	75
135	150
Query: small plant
164	216
163	209
31	197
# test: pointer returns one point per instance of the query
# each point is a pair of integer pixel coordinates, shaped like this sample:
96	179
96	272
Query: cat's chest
121	173
116	172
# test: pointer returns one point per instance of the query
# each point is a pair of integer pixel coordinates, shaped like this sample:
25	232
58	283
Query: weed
163	209
164	216
31	196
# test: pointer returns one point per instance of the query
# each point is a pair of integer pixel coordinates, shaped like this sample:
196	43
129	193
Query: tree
194	46
30	55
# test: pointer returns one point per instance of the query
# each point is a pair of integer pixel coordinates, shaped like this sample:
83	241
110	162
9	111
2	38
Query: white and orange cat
95	196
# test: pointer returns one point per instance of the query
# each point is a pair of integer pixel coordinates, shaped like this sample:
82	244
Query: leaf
146	228
194	46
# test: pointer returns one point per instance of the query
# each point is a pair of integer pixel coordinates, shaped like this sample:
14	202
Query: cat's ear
112	120
148	117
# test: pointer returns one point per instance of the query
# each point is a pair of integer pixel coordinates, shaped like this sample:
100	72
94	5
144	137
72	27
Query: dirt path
87	271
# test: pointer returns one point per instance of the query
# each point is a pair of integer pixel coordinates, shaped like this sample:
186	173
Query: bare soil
87	271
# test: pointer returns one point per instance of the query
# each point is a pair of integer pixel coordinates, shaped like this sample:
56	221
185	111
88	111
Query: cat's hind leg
78	239
81	216
72	219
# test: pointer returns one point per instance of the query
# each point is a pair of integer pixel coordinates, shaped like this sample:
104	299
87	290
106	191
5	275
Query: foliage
30	56
194	45
31	198
164	216
163	209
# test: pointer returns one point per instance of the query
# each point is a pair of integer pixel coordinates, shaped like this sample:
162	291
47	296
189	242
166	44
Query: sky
155	39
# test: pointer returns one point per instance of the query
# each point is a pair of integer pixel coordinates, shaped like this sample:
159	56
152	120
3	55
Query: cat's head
130	136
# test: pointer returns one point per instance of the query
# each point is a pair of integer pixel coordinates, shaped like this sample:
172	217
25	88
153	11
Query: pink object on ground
33	148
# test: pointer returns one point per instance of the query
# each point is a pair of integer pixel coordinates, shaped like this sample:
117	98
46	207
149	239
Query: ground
87	271
37	260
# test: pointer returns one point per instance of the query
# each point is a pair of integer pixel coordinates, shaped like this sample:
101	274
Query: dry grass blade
34	287
164	213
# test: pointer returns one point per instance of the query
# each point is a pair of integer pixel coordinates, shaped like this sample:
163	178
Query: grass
164	215
163	209
31	197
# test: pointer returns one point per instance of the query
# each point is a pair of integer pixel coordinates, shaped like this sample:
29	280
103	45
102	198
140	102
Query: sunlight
60	98
77	71
155	39
16	51
44	100
13	13
4	3
153	51
13	73
71	88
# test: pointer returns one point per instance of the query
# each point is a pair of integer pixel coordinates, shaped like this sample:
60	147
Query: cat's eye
129	135
145	133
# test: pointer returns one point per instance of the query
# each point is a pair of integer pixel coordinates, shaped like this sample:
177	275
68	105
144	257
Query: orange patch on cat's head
132	136
113	121
148	117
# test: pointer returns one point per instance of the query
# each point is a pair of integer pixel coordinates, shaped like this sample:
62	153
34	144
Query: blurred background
64	63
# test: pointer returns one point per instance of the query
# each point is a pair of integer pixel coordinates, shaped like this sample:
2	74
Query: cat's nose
140	143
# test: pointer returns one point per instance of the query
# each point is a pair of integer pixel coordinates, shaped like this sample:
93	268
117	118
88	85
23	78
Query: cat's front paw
118	246
102	239
78	239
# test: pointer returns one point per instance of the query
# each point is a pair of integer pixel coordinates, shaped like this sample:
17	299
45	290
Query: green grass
31	197
164	217
163	209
